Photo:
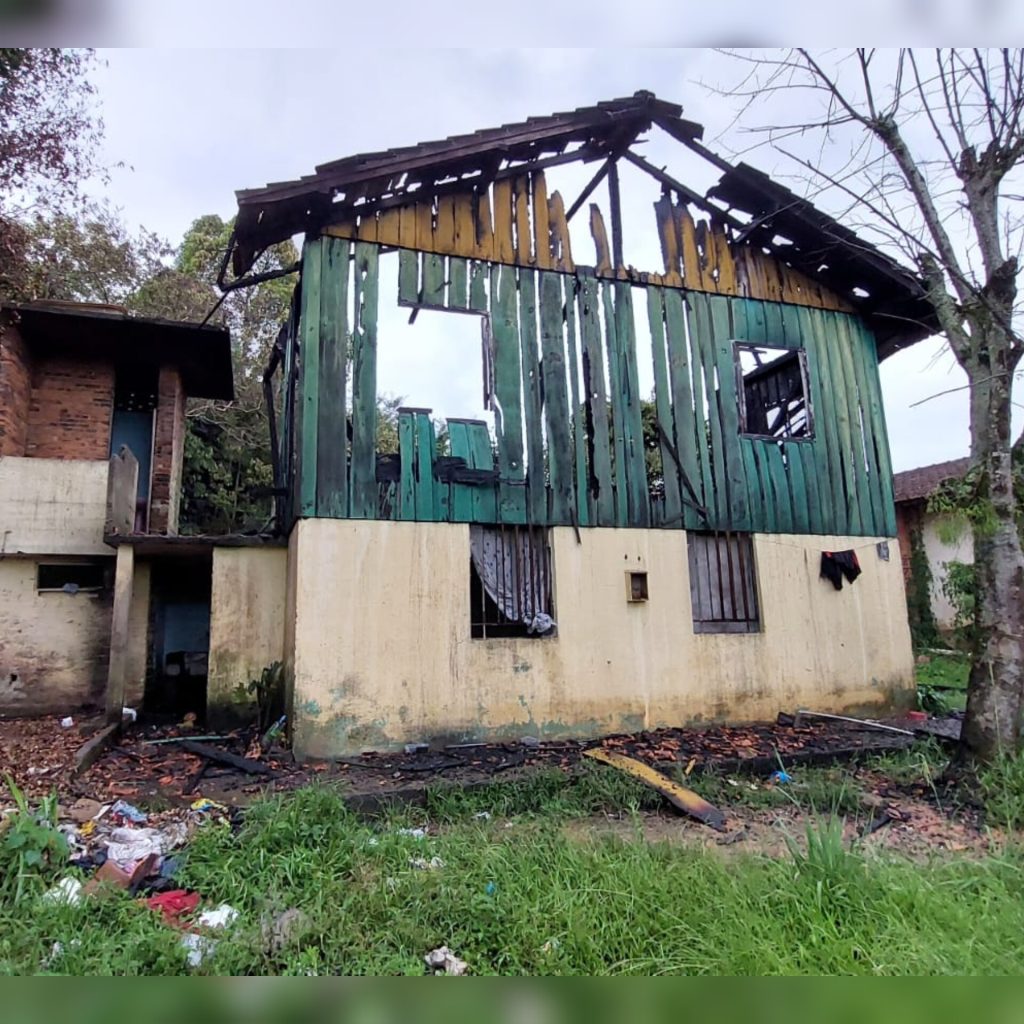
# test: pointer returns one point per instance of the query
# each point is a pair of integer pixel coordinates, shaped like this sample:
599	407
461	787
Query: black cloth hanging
837	564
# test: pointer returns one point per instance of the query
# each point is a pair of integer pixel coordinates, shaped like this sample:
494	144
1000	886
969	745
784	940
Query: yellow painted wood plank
504	244
521	206
726	266
444	225
367	229
388	226
343	229
561	248
679	796
483	249
603	256
668	236
692	276
541	223
465	227
425	226
407	226
707	256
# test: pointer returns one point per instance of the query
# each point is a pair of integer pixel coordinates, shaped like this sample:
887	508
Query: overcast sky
191	127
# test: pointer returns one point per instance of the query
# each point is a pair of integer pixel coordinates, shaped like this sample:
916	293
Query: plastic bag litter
129	812
67	723
67	890
198	948
415	833
131	844
219	918
422	864
443	960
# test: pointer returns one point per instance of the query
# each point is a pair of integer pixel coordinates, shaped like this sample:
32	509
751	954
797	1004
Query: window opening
510	582
723	583
71	578
135	399
772	386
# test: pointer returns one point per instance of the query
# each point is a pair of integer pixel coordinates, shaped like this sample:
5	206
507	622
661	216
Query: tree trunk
994	703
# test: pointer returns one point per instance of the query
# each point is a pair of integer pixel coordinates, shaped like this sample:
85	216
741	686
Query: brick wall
168	453
15	386
70	409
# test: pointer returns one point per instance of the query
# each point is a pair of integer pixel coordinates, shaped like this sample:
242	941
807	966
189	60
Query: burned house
92	434
530	574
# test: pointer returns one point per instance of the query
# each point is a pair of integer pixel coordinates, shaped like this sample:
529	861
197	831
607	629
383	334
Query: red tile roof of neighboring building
922	482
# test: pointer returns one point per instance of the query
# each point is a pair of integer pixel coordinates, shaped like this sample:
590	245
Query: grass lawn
945	676
520	892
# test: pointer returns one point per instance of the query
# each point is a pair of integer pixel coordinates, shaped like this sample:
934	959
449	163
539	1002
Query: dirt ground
39	756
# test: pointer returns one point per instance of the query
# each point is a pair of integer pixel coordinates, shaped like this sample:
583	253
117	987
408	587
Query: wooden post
124	579
122	493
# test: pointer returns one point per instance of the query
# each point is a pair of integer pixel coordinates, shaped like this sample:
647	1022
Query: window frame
753	623
741	392
102	567
507	629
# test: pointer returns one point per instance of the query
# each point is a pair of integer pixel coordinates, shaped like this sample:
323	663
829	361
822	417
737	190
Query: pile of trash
122	847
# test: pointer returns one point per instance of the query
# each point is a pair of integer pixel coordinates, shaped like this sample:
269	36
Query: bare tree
925	150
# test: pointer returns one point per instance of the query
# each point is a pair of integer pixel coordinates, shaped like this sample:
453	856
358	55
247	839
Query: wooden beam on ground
117	670
245	764
89	752
679	796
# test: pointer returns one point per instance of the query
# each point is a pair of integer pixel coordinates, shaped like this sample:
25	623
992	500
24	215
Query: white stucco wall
382	653
52	506
939	552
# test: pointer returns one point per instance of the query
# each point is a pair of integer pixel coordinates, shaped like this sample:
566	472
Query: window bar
732	615
742	550
721	589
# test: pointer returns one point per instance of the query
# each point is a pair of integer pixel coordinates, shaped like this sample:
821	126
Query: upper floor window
773	392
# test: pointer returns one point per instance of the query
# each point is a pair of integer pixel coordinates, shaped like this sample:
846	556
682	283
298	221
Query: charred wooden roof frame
894	297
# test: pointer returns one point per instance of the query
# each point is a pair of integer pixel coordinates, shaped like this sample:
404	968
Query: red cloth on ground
174	904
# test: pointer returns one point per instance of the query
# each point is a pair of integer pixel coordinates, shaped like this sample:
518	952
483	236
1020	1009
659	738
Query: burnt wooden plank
577	416
556	403
559	231
458	280
363	465
485	498
701	338
245	764
828	451
673	508
408	277
846	339
504	240
632	418
407	452
309	375
596	404
532	402
668	235
615	391
521	208
483	248
332	432
541	222
478	287
722	328
508	417
867	354
432	293
427	504
603	257
461	495
689	436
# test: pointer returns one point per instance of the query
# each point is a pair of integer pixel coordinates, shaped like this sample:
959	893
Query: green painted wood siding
568	445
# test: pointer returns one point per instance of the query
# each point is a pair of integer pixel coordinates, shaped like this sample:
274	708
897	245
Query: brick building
78	384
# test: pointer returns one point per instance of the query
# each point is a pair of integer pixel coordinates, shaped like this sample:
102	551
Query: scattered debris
92	749
198	948
443	961
529	741
679	796
282	930
125	810
780	778
67	723
422	864
84	809
482	816
245	764
865	723
129	714
417	748
67	890
174	905
415	833
224	915
112	874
